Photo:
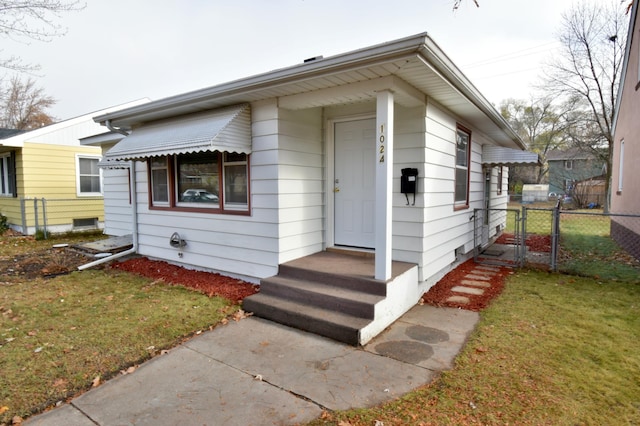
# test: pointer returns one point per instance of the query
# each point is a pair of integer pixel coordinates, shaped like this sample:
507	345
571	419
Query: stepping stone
477	277
463	300
488	268
481	272
467	290
483	284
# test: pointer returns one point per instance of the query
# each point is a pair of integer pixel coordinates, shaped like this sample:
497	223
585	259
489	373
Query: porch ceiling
414	68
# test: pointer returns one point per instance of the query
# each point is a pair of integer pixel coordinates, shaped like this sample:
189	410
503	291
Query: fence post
555	237
23	214
523	237
35	214
44	217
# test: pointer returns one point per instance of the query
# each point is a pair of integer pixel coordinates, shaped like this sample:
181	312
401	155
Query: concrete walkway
256	372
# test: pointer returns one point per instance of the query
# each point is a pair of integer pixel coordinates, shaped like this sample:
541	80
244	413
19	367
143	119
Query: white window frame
462	203
5	183
154	201
97	158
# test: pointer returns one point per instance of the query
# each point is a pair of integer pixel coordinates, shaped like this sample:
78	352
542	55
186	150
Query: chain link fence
584	242
42	216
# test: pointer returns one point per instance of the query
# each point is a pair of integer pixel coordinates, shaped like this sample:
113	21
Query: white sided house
384	151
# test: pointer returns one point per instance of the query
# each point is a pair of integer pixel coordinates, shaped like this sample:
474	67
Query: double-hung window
204	181
89	176
7	175
463	152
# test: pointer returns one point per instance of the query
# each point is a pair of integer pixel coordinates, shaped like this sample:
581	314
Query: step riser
324	300
364	285
294	319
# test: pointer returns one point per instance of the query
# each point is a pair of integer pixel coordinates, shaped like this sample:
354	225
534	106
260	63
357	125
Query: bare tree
540	123
457	3
587	73
24	105
25	20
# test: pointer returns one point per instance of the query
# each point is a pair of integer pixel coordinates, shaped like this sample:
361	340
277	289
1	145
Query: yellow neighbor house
49	182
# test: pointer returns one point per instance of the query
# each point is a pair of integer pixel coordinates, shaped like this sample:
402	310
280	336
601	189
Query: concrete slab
67	415
478	271
187	387
331	374
256	372
443	330
467	290
488	268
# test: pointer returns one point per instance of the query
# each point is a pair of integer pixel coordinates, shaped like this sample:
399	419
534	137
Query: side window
235	180
499	182
7	173
463	150
568	164
89	176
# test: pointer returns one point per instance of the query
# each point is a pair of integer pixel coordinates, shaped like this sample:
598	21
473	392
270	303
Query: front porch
334	294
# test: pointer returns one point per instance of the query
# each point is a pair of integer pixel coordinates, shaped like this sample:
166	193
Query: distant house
569	166
625	185
49	180
387	150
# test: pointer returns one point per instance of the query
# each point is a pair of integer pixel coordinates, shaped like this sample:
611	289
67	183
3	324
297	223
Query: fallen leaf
38	349
16	420
31	333
258	377
4	409
95	382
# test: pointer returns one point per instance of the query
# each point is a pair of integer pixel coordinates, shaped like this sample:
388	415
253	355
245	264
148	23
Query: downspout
134	225
111	127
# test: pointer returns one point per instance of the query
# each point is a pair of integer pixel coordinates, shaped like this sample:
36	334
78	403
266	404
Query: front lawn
551	350
61	336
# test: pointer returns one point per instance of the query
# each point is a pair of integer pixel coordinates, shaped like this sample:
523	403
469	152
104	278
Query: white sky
117	51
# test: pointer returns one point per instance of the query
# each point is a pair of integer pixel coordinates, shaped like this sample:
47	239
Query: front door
354	185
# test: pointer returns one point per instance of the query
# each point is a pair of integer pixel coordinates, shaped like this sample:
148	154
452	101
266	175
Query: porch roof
225	129
414	68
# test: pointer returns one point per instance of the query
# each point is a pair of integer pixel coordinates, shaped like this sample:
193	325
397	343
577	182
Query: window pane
89	175
198	178
461	185
235	184
159	180
462	144
89	183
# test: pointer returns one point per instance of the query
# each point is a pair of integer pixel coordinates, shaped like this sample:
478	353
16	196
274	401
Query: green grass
587	249
551	350
58	335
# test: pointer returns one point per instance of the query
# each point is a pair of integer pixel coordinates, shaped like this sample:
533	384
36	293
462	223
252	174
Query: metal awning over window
225	129
501	156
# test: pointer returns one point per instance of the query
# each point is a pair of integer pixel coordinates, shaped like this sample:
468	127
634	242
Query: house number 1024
381	146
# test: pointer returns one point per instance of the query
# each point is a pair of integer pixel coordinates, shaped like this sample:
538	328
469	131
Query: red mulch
537	243
209	283
439	293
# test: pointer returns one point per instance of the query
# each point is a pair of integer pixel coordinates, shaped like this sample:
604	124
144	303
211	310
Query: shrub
3	223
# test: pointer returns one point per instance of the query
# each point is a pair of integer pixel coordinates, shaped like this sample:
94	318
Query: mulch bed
439	293
537	243
211	284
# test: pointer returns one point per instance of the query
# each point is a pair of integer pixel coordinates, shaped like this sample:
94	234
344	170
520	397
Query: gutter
134	226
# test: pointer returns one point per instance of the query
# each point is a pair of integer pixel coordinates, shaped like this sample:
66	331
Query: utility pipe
134	225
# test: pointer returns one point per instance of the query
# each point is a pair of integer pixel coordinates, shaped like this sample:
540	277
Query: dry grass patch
59	337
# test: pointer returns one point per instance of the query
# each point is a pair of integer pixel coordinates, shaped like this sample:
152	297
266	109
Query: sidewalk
256	372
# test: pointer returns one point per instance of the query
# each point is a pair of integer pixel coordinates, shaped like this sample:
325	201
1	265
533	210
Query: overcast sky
117	51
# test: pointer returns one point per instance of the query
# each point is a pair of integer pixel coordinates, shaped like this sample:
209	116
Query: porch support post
384	180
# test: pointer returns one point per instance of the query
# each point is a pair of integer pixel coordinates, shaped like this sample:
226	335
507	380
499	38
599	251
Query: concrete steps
334	305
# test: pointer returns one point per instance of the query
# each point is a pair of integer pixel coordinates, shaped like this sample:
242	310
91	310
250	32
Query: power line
510	56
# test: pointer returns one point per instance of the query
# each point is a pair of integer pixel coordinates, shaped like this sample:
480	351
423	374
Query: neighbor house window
621	166
568	164
207	181
7	175
463	151
89	178
499	190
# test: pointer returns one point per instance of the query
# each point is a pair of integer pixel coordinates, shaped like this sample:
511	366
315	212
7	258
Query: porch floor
347	263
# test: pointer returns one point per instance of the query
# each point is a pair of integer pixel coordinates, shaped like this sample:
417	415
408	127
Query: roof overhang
414	68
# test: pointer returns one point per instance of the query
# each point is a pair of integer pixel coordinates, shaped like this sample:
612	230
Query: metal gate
497	237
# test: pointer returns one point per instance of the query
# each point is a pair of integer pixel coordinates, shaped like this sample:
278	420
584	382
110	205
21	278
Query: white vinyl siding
117	206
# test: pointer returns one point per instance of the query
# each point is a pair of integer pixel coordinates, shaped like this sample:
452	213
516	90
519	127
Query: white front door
354	185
